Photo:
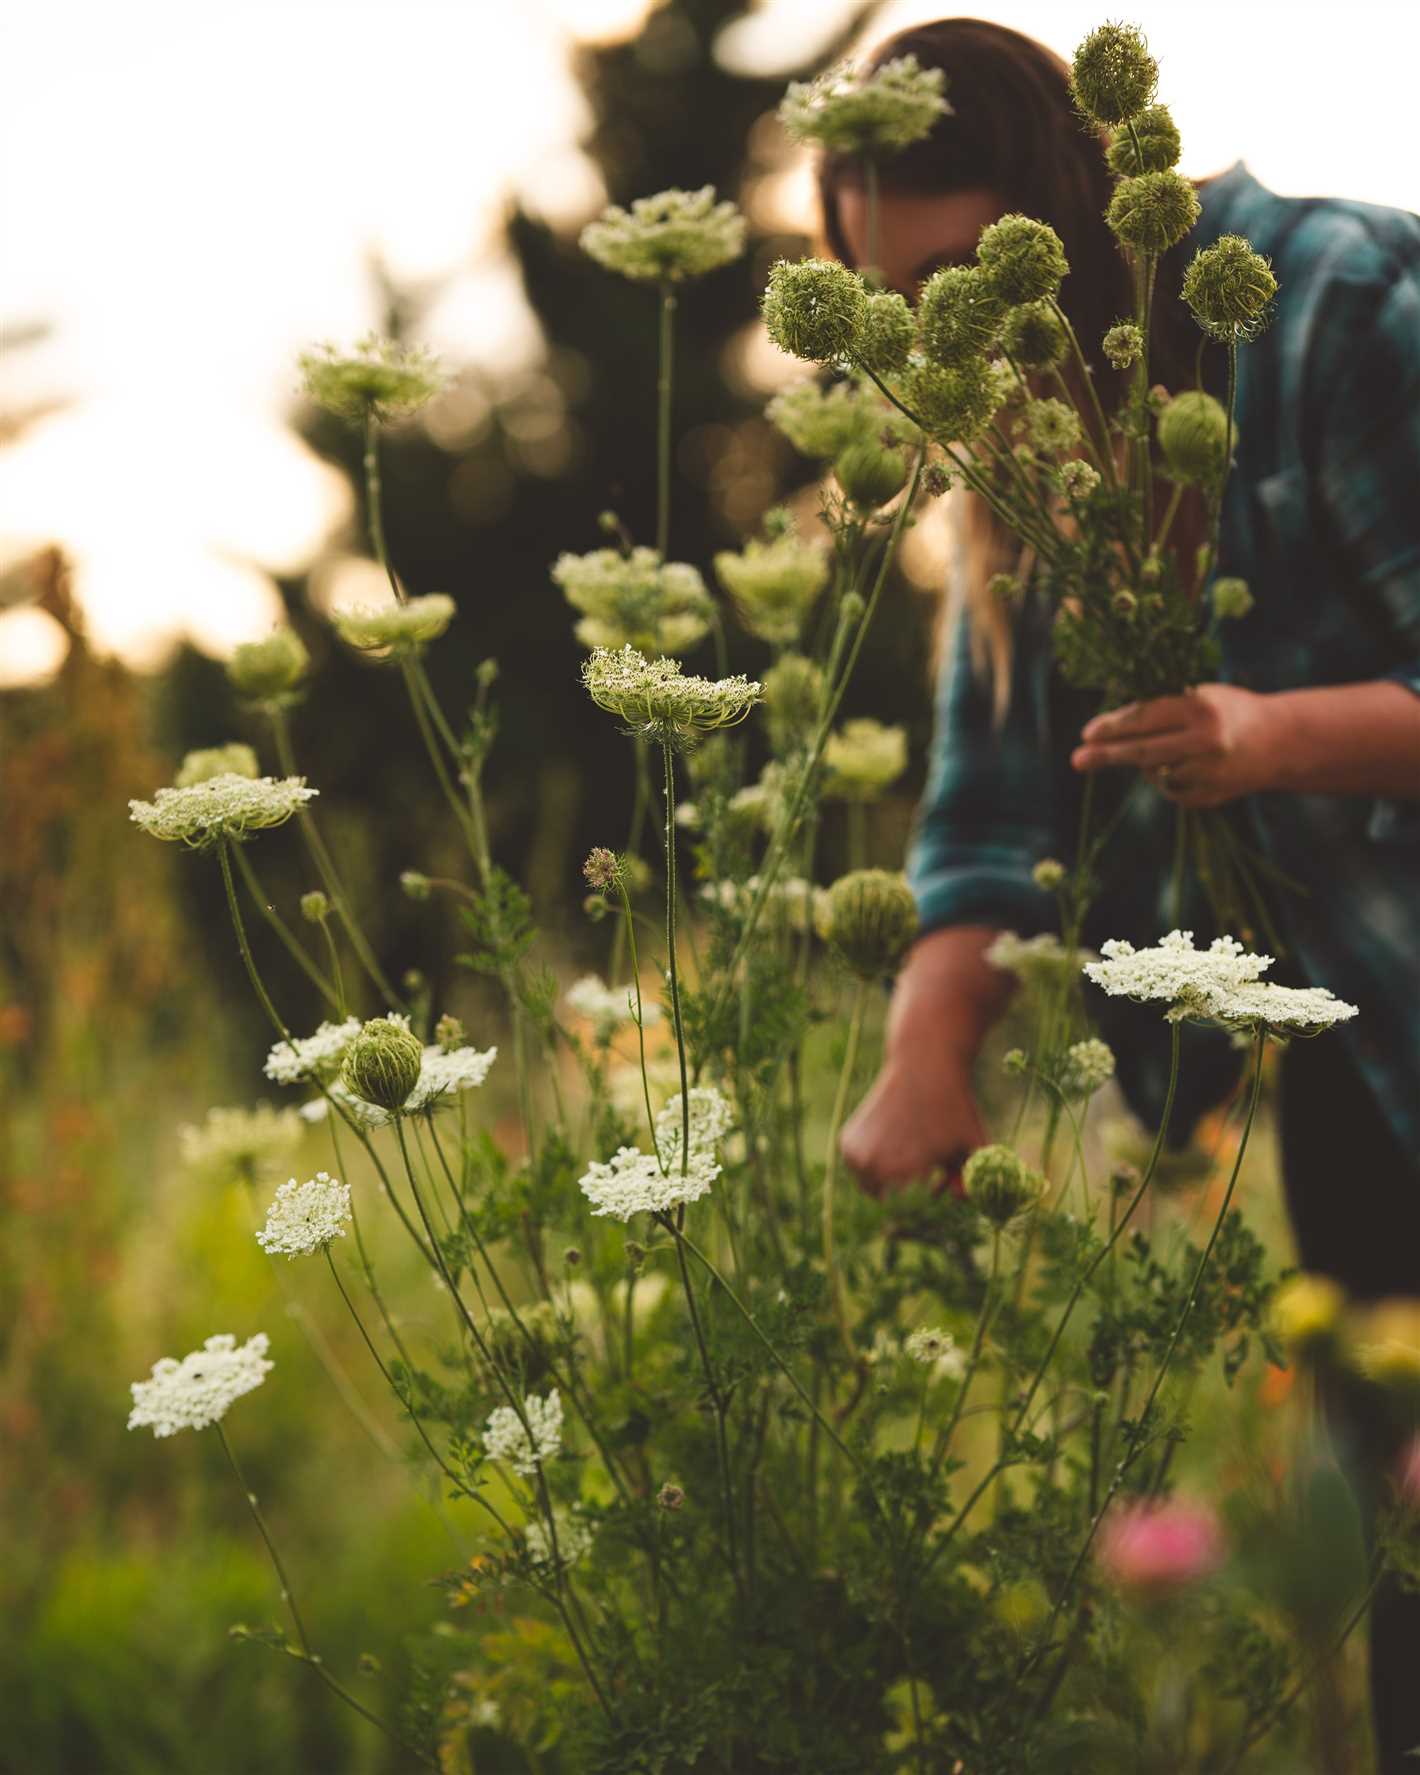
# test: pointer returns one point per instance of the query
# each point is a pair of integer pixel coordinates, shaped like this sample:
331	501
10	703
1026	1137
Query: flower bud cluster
632	598
774	585
863	758
1230	289
670	238
400	628
269	670
655	700
877	113
376	377
871	921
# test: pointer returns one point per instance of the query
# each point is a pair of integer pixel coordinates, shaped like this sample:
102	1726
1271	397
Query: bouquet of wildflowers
753	1473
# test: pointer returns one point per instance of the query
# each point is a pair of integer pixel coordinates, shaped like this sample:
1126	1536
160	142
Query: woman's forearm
1347	739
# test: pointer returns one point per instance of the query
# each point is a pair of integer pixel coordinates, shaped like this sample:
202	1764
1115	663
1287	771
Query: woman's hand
918	1118
1201	749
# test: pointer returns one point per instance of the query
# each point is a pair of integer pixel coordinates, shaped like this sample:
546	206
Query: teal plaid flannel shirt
1322	519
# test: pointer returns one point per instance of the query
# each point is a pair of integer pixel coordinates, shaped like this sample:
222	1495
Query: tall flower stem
671	964
288	939
717	1403
664	372
308	1654
224	858
830	1163
326	869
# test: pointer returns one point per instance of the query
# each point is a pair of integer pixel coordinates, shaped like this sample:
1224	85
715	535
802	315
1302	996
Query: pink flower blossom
1156	1548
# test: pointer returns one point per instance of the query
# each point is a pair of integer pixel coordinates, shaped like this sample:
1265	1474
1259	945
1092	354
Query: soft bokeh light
33	646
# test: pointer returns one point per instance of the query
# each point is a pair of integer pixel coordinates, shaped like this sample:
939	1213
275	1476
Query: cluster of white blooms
1035	961
1220	984
1173	966
637	1182
848	112
506	1439
225	806
375	376
240	1142
634	599
1087	1066
774	585
608	1008
304	1217
315	1056
668	238
863	758
402	627
574	1539
656	701
938	1350
195	1392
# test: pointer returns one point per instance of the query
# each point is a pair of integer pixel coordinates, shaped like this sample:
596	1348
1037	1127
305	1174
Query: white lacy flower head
938	1350
848	112
375	376
668	238
863	758
399	627
774	585
223	807
315	1056
574	1539
505	1438
1087	1067
304	1217
1173	966
634	599
195	1392
656	701
1282	1011
608	1008
637	1182
241	1142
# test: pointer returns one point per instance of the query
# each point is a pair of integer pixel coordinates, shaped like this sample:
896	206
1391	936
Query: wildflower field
517	1378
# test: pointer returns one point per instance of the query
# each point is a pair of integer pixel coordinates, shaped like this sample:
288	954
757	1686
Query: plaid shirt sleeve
987	814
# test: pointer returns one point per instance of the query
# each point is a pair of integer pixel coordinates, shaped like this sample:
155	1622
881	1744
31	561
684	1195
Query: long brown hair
1013	129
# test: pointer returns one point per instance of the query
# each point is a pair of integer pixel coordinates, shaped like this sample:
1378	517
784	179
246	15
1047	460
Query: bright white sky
190	191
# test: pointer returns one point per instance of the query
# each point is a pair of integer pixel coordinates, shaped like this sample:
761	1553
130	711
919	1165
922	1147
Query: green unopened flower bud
1015	1060
870	475
793	700
670	1496
1124	603
417	886
1306	1315
269	670
955	405
1033	337
315	907
1113	76
887	334
1231	599
850	609
1079	479
1123	344
413	981
815	309
1023	260
1151	570
1159	144
596	908
1124	1179
1230	289
959	315
382	1063
485	674
609	522
997	1181
872	920
1193	436
1048	874
449	1033
235	760
1152	211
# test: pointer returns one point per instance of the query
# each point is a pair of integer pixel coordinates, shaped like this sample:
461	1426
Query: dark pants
1354	1197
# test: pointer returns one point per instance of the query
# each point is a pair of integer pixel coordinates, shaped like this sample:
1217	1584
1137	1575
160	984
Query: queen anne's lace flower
635	599
863	758
774	585
823	422
401	627
304	1217
1086	1068
936	1349
878	113
669	238
637	1182
375	375
315	1056
506	1439
655	700
222	807
1281	1010
195	1392
608	1008
240	1142
574	1540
